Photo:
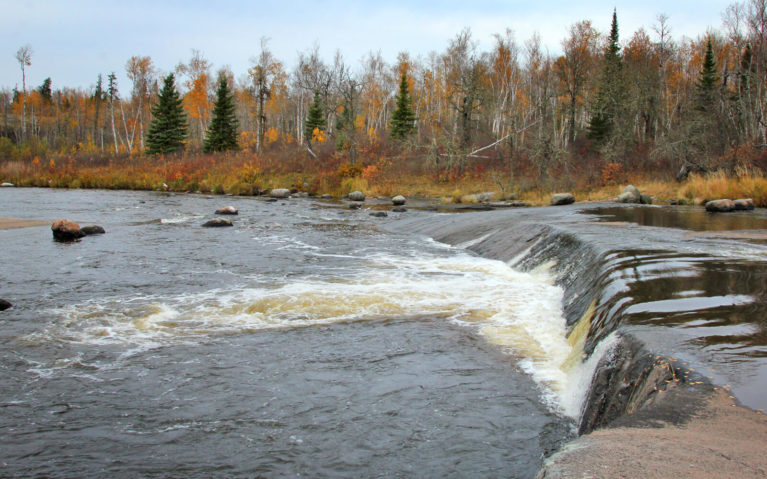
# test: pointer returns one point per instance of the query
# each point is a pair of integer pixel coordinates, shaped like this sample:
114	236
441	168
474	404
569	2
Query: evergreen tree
315	119
611	91
403	118
222	131
706	86
168	128
45	90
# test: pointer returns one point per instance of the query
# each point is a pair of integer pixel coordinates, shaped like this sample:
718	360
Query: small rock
720	206
280	193
227	210
646	199
4	305
357	196
326	197
217	222
562	199
398	200
630	194
300	194
379	214
355	206
7	185
93	230
744	204
65	230
401	209
271	200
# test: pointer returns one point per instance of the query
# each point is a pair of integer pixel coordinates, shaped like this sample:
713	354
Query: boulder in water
4	305
93	230
227	210
720	206
7	185
399	209
379	214
398	200
630	194
562	199
217	222
326	197
744	204
65	230
355	206
280	193
646	199
357	196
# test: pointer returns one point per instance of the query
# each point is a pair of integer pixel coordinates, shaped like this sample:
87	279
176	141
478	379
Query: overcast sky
74	41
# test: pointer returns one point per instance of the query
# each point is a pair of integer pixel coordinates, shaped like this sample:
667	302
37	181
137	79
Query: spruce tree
707	83
611	90
222	131
168	128
315	119
403	119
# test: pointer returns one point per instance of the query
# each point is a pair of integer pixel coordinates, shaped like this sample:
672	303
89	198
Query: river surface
304	341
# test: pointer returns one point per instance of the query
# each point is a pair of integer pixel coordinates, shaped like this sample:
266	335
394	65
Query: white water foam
521	312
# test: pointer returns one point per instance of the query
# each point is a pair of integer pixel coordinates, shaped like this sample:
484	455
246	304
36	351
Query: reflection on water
715	309
683	217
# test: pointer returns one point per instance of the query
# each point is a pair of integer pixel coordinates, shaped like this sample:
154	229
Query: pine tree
315	119
222	131
403	119
610	94
167	131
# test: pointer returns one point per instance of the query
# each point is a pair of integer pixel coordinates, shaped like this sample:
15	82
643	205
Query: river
306	340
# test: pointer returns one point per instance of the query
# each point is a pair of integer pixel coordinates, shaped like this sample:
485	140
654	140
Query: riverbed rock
630	194
646	199
326	197
4	304
744	204
93	230
399	209
398	200
7	185
66	230
217	223
379	214
227	210
357	196
355	206
280	193
720	206
562	199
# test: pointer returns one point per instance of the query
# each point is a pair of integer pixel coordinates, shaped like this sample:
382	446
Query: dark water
303	341
684	217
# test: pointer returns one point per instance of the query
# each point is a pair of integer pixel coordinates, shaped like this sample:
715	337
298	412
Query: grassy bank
246	174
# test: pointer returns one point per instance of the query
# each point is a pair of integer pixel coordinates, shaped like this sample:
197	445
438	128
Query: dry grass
745	184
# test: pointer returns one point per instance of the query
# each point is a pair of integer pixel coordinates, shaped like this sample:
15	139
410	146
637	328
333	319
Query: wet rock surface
5	305
227	210
562	199
93	230
217	223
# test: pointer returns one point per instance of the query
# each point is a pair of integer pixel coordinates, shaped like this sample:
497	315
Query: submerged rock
379	214
744	204
398	200
720	206
227	210
630	194
4	305
562	199
399	209
355	206
217	222
93	230
65	230
280	193
357	196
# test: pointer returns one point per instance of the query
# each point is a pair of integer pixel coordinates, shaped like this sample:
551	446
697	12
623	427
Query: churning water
305	340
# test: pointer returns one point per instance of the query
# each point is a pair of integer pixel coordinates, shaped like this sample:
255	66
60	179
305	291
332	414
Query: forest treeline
608	106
